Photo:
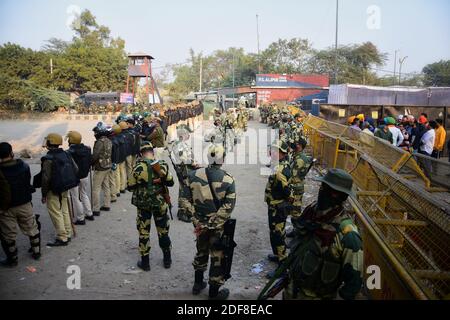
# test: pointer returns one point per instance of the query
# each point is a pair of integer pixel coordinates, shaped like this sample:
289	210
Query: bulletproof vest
64	174
18	177
83	158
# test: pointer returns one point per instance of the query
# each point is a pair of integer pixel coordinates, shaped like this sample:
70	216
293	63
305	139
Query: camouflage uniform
184	163
277	196
326	254
338	243
149	201
208	220
299	166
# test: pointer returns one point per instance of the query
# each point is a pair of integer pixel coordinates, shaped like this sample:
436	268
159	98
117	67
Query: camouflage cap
338	180
216	154
146	146
280	145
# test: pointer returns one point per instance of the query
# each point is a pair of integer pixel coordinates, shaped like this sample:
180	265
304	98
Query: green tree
287	56
437	74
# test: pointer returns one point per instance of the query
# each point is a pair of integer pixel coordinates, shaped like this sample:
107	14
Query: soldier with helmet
58	175
278	196
148	180
212	200
16	209
79	196
184	162
101	161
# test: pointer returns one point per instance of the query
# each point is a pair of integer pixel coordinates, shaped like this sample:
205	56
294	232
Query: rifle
165	190
228	245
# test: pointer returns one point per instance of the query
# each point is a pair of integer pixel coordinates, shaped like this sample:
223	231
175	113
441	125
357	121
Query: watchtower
140	66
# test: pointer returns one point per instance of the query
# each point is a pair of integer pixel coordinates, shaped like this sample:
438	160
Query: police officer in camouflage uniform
213	197
327	256
146	183
183	158
299	168
279	198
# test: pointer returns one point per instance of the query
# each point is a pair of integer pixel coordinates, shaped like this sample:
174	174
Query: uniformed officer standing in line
17	210
101	161
183	158
299	168
279	198
147	183
82	156
213	197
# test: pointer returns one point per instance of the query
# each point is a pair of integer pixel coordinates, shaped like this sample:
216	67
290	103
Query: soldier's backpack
64	173
83	158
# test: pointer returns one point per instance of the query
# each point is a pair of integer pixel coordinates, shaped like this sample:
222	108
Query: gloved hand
114	167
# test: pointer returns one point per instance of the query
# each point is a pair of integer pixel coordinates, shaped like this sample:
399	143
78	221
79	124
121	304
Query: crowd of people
419	135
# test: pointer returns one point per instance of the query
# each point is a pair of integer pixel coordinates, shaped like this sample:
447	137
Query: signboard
292	80
126	98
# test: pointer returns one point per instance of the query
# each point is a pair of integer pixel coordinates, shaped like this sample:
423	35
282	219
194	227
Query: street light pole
257	40
401	60
233	79
395	66
336	43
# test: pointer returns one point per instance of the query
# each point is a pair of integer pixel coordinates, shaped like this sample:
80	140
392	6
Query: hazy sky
167	29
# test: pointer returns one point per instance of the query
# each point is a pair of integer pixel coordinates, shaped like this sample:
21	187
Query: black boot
35	243
10	250
215	294
290	234
58	243
272	257
144	263
167	258
199	284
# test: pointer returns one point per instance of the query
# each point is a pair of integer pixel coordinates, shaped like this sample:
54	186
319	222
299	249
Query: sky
167	29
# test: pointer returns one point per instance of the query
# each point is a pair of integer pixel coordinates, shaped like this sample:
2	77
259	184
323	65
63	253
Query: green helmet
338	180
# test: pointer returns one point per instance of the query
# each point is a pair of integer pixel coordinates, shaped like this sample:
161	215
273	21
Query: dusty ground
106	249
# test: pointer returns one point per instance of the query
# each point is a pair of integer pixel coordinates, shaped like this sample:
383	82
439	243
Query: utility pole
201	72
51	66
257	39
395	66
233	78
401	60
336	43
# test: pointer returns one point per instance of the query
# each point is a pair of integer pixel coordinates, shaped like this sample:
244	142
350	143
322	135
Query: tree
287	56
355	63
437	74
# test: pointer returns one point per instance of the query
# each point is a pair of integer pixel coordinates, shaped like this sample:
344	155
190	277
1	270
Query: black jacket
18	176
82	156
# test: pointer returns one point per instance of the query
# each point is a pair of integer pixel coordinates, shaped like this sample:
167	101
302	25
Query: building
282	88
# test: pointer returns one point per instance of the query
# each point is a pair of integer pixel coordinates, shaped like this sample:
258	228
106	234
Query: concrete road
106	249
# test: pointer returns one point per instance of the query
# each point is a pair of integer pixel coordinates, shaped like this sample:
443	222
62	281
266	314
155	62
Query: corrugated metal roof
350	94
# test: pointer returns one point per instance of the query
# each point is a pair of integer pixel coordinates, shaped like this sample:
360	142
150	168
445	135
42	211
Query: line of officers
123	158
325	257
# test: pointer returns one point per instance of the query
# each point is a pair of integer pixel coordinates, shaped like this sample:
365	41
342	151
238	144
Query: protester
439	140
